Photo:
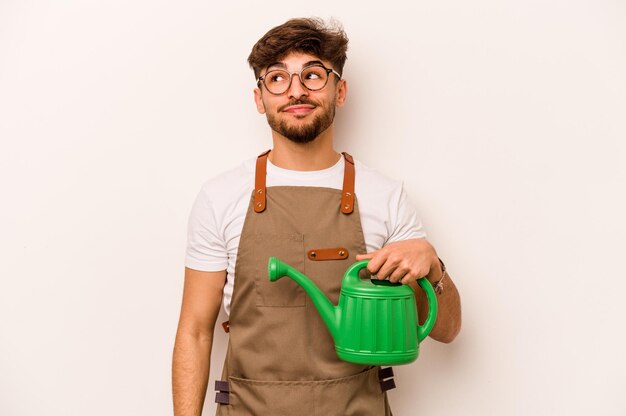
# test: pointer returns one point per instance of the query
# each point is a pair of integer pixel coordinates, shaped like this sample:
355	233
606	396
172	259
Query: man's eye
312	75
277	78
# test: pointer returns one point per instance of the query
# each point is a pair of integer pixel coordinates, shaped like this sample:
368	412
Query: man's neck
316	155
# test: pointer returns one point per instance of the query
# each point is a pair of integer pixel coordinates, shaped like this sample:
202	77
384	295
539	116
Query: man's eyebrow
283	66
313	63
278	64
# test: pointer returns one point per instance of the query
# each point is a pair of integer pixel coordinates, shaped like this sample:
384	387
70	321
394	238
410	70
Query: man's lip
300	108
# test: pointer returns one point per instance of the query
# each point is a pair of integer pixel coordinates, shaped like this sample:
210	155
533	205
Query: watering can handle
424	330
352	276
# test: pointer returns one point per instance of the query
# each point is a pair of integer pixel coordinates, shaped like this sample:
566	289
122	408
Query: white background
505	119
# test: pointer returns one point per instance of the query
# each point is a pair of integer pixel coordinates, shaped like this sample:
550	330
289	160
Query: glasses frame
298	73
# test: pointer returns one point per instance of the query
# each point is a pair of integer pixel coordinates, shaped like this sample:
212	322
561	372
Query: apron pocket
357	395
289	248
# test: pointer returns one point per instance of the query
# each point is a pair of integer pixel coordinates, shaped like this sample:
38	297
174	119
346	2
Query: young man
315	209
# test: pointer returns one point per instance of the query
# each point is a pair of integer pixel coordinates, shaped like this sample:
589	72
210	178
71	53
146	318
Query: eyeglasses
313	77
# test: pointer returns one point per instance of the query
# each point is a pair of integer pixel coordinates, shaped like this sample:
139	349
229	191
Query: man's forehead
297	60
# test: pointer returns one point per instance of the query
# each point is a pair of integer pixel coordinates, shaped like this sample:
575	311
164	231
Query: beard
304	133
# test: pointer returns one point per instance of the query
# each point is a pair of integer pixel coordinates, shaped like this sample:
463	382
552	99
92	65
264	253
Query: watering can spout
329	313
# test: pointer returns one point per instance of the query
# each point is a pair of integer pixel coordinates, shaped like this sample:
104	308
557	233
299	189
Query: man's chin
301	116
299	136
299	124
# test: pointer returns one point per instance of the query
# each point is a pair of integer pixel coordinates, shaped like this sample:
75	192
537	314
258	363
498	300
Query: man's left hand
404	261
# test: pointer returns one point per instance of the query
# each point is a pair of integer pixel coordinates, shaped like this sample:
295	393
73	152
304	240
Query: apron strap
347	193
259	182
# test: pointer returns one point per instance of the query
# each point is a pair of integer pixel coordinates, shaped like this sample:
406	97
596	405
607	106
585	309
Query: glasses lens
314	77
276	81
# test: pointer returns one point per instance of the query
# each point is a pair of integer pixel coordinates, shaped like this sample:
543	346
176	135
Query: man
315	209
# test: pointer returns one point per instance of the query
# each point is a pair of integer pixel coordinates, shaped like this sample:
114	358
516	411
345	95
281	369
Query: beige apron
281	358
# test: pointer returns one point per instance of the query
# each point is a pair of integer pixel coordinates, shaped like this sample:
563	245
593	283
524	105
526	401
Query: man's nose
297	89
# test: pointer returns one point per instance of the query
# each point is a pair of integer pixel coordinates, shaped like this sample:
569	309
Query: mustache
301	101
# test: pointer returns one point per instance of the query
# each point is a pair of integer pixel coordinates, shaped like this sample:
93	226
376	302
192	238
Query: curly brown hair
307	35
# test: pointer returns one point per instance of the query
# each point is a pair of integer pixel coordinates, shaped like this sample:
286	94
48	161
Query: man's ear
342	90
260	107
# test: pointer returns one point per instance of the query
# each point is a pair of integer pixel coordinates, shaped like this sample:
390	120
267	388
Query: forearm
448	322
190	373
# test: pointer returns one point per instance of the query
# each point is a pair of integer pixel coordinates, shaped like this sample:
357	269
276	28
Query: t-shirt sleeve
206	247
406	224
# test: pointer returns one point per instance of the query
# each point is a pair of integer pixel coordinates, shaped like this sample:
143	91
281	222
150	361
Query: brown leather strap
319	254
347	193
259	182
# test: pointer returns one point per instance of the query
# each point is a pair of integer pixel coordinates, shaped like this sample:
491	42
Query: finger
366	256
387	269
409	277
392	261
406	280
377	260
400	274
414	274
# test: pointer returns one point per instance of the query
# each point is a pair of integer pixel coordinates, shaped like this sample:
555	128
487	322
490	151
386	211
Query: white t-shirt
218	214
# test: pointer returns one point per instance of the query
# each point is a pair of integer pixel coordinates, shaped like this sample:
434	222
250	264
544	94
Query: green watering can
375	322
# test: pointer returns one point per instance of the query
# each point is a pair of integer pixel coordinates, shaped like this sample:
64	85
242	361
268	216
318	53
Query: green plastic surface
375	322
